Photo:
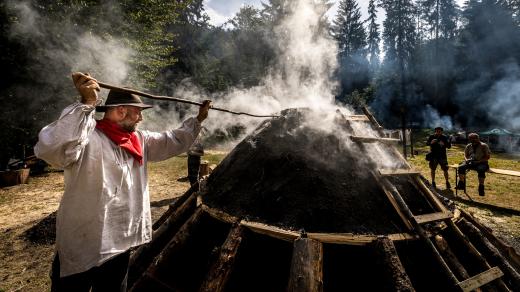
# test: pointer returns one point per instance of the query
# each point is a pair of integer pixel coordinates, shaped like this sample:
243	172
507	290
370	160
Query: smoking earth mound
293	176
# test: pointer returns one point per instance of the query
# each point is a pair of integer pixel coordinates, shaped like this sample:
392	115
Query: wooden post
144	255
483	264
492	253
508	251
306	274
418	228
451	258
203	168
176	243
394	270
220	271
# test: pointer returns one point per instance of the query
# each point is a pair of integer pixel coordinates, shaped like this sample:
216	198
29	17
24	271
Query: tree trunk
395	274
220	271
306	274
511	275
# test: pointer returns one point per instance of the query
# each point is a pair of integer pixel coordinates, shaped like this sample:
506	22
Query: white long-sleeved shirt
105	208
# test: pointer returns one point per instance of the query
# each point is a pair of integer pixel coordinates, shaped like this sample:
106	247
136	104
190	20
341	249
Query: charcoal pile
294	176
296	208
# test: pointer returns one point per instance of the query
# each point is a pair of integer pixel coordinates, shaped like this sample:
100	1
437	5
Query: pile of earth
295	176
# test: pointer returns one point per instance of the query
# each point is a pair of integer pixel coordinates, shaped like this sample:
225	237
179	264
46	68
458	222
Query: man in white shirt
105	208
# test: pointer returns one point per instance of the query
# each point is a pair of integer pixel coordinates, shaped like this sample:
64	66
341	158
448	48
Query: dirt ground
27	231
27	218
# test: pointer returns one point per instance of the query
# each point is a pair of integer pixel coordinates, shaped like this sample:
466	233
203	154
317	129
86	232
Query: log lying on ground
483	265
395	273
175	244
306	273
144	255
491	252
508	251
220	271
451	258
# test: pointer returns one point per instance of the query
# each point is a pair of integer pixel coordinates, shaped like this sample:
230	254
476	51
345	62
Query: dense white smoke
301	78
433	119
63	48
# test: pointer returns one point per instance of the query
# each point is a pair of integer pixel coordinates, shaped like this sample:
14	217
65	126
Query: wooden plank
356	239
388	193
365	139
270	230
388	172
429	195
480	279
481	262
491	253
218	275
417	227
495	170
219	215
504	171
362	118
306	274
421	219
506	249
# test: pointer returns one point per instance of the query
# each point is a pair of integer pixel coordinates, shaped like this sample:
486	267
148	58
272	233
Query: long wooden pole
169	98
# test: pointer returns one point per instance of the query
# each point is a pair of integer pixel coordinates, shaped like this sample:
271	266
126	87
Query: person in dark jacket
438	144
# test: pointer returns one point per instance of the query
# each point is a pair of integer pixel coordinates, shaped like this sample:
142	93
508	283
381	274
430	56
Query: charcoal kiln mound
296	208
291	175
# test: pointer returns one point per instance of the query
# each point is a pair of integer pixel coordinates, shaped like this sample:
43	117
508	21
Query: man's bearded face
132	118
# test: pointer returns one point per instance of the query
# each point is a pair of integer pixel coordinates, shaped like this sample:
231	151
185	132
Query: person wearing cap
476	157
438	144
105	208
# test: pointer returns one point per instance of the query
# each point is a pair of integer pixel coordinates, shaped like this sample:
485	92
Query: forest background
428	63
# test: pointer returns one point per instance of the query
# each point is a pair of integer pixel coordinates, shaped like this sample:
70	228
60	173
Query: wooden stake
492	253
220	271
394	271
306	274
175	244
144	255
508	251
451	258
483	264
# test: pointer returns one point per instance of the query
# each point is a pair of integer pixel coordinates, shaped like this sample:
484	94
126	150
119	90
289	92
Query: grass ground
499	208
27	220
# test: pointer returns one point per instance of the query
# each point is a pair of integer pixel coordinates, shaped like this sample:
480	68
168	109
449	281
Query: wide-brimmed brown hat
116	98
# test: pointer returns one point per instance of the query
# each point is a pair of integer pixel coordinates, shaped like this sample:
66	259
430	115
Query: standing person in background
476	157
438	144
105	208
195	153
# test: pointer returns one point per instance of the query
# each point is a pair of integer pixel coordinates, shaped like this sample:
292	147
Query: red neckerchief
122	138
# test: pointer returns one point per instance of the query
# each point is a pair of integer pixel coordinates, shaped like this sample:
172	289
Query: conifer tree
374	37
348	30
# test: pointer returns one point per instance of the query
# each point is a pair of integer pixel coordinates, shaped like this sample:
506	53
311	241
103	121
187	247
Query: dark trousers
480	168
110	276
193	168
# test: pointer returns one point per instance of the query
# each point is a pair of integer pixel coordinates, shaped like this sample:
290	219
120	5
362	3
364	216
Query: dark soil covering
43	232
294	176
